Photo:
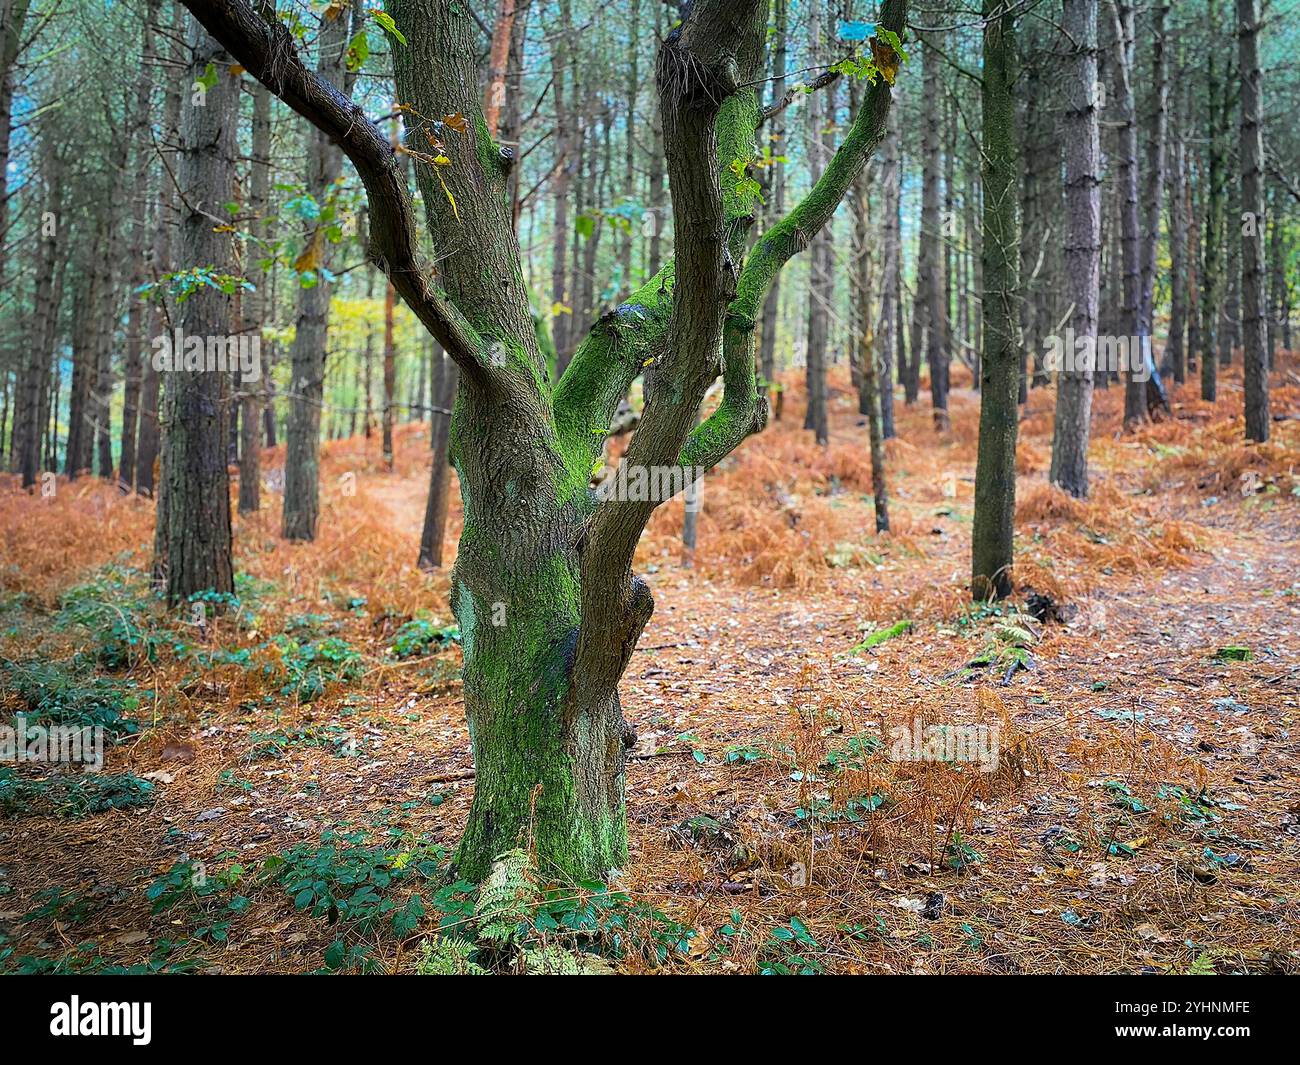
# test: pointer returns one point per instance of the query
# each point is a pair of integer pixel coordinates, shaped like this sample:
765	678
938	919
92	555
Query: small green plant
54	695
743	755
782	955
189	888
85	960
121	612
278	742
879	636
65	906
1234	654
421	636
959	854
447	956
853	811
312	667
853	755
73	796
348	882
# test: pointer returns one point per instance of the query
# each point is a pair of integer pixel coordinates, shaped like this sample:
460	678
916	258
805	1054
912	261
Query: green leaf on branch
358	51
386	21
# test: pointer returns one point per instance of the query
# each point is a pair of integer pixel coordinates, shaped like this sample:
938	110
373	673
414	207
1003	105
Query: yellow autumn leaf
310	257
885	58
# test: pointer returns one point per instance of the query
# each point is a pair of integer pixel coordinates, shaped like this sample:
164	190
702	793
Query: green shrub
420	636
53	695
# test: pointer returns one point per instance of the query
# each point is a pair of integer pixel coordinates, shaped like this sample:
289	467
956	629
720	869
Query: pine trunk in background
1190	208
929	275
390	374
1254	338
445	380
561	311
139	199
975	235
257	306
890	320
1276	271
995	468
1032	216
1154	176
166	207
77	449
776	191
821	278
1175	358
1212	272
495	94
1130	320
14	17
948	231
866	356
1230	319
307	357
29	430
1074	383
629	147
194	513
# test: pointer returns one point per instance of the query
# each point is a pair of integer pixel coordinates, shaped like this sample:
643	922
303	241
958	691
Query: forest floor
289	776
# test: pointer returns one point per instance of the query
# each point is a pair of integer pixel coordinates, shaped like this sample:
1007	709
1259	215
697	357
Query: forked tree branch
264	46
742	411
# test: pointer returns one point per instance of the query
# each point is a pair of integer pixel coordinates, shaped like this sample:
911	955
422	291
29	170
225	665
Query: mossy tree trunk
549	609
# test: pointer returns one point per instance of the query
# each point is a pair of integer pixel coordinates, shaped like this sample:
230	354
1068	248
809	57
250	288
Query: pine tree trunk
821	278
136	346
435	512
560	183
1212	272
1074	385
929	277
307	357
869	371
1175	360
1254	338
995	469
772	305
30	429
194	510
257	307
390	374
887	326
1130	321
148	440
